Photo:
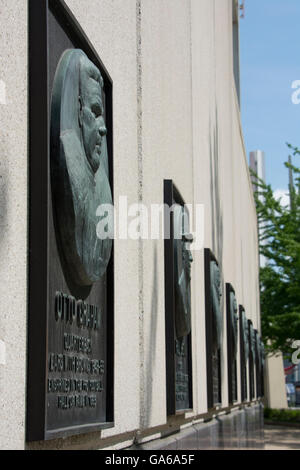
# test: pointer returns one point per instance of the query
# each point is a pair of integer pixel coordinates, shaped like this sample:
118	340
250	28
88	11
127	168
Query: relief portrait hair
87	70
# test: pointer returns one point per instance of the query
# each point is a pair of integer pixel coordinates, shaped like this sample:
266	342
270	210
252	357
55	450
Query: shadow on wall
215	202
215	194
3	193
150	358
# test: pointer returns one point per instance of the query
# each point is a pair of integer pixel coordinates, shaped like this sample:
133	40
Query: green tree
279	236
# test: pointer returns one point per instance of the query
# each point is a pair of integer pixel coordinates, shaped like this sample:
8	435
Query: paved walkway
281	438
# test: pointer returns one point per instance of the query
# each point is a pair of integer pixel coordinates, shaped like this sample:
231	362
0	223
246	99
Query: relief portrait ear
80	106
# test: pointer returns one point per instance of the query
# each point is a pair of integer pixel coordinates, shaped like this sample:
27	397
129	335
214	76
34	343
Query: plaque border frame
261	389
38	251
171	196
257	375
230	371
208	257
243	364
252	384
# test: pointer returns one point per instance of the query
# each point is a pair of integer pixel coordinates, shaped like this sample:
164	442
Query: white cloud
282	194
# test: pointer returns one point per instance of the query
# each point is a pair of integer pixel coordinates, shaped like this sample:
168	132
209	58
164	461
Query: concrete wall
13	221
176	116
275	394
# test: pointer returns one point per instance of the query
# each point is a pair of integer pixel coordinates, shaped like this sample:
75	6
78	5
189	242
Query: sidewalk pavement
281	437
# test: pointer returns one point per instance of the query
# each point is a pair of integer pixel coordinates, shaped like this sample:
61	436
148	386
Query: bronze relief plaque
178	259
70	360
214	327
244	352
252	358
232	342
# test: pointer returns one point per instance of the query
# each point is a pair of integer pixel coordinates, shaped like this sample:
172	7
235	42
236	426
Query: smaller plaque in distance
178	261
214	328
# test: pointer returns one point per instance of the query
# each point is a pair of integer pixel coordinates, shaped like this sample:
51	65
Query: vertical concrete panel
202	34
221	177
111	27
166	154
275	393
13	221
246	250
224	193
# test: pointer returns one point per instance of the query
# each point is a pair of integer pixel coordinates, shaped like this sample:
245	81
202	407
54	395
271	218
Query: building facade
176	117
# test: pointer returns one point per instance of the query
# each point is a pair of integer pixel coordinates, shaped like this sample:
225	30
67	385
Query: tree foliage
279	235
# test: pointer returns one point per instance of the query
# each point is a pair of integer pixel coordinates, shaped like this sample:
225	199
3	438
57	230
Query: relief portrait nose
102	129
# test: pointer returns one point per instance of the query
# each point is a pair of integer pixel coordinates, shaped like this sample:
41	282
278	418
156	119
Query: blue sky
269	63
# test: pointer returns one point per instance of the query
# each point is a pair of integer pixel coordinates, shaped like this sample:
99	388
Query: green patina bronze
245	336
234	322
79	166
183	259
216	295
252	342
260	352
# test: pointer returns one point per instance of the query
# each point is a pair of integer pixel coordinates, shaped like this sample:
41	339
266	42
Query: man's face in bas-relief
187	255
91	114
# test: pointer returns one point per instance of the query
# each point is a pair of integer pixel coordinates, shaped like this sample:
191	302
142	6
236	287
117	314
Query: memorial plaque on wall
214	327
252	359
244	351
259	363
232	342
262	367
70	333
178	261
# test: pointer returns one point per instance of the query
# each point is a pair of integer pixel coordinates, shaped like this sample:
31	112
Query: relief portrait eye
97	110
